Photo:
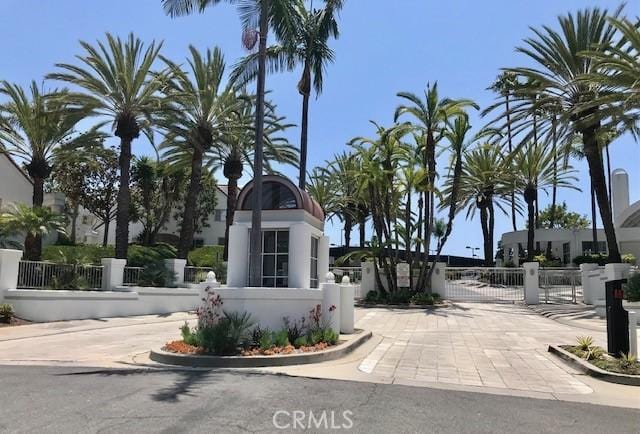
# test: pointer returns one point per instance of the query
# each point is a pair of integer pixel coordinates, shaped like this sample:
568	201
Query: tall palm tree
304	42
201	109
560	65
430	116
236	150
533	171
485	184
117	82
35	126
261	14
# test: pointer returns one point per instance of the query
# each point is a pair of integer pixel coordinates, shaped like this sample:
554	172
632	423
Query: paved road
37	399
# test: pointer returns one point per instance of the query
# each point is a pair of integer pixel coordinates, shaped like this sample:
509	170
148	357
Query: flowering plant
210	311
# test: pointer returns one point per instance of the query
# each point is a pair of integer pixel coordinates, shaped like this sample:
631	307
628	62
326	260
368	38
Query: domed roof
279	193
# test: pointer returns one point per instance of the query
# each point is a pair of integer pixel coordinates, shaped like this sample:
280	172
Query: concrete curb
203	361
594	371
402	306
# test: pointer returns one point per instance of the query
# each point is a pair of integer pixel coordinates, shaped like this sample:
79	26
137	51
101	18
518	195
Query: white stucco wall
14	186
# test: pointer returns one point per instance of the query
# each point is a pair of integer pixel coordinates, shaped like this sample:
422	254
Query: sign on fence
402	275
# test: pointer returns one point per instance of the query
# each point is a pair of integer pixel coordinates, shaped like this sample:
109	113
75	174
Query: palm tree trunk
255	272
492	224
33	243
124	199
510	141
232	203
348	223
304	133
105	236
361	227
74	223
554	188
594	227
609	174
187	228
484	222
596	171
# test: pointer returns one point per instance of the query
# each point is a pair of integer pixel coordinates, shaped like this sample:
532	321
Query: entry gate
489	285
560	285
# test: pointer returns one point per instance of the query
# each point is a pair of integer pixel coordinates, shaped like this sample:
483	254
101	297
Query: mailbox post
617	319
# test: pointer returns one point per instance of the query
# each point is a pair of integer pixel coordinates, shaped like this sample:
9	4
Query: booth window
275	258
275	195
314	263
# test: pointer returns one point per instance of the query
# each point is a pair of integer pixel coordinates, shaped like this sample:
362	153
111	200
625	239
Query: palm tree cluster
202	112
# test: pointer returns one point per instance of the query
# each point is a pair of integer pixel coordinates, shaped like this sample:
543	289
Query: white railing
196	274
560	285
490	284
50	275
131	276
354	273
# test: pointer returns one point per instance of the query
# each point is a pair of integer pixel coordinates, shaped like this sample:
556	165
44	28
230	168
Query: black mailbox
617	319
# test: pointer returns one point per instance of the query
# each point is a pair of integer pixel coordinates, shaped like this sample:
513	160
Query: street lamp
473	251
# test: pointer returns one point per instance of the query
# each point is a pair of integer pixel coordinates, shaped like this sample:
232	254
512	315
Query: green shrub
632	288
329	336
315	336
6	313
141	256
546	262
207	256
629	258
301	342
265	341
188	336
599	259
156	274
281	338
227	336
372	297
138	256
423	298
402	296
295	329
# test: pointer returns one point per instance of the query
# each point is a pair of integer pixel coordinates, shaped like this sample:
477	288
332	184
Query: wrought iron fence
131	275
50	275
354	273
560	285
196	274
497	284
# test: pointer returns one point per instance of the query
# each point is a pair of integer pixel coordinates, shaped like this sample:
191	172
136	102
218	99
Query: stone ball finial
331	278
346	280
211	277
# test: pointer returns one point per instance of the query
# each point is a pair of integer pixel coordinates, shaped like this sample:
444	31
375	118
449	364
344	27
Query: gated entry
560	285
489	285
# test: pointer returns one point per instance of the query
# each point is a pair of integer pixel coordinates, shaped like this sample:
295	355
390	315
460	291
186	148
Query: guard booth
295	251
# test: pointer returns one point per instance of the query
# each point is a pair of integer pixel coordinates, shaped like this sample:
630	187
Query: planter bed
189	356
14	322
589	368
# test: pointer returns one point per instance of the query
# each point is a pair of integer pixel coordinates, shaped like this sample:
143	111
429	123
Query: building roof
282	195
18	168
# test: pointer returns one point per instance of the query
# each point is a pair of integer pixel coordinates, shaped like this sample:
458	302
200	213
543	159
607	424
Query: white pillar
331	303
516	254
633	333
587	290
616	271
531	283
238	263
112	273
368	282
347	310
619	193
9	264
438	278
323	258
176	266
300	256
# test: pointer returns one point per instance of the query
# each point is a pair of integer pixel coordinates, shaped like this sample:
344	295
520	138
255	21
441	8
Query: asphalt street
66	400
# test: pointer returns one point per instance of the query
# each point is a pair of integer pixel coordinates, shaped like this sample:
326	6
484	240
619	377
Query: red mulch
182	348
15	322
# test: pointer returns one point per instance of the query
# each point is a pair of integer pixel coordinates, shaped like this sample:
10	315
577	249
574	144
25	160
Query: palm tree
117	82
533	171
201	109
304	42
484	185
430	116
262	13
236	150
35	126
560	67
31	222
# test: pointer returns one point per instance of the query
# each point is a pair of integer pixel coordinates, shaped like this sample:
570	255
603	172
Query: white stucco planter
633	306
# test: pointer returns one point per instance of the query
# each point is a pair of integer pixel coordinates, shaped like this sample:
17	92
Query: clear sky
386	46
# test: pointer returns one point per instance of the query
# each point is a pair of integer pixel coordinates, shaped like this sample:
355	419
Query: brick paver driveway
474	344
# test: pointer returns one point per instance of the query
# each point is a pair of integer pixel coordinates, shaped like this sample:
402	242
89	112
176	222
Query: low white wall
268	306
49	305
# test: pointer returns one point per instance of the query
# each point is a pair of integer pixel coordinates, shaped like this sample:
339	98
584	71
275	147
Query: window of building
219	215
314	263
221	241
275	195
198	242
275	258
566	253
587	247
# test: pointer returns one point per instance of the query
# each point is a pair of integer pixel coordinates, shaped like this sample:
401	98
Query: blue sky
385	47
